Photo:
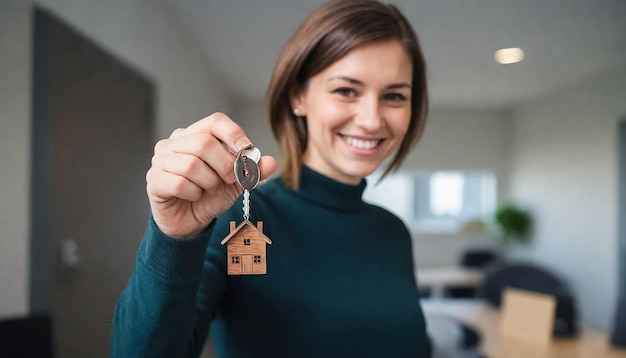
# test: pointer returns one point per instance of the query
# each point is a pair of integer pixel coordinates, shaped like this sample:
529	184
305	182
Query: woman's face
358	110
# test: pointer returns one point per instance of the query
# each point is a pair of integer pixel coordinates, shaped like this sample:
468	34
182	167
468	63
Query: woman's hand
191	181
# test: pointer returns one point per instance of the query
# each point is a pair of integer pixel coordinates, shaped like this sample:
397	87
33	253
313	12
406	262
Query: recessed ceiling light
507	56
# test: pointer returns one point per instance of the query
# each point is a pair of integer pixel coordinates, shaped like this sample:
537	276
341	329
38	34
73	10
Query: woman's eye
346	92
396	97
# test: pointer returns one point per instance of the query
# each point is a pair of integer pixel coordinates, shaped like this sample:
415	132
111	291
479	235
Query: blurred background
87	88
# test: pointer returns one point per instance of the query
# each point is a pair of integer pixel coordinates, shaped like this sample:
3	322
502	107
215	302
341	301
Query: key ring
249	146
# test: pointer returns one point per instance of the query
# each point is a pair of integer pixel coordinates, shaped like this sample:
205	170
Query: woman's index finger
223	128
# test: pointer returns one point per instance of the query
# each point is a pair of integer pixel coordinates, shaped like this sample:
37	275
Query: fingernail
242	143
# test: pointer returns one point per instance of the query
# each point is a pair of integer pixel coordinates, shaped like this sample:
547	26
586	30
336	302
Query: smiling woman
321	50
347	93
357	110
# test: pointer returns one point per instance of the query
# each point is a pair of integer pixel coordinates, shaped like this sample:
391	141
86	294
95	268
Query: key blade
246	204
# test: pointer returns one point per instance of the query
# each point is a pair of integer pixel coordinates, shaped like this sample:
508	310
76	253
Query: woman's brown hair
325	36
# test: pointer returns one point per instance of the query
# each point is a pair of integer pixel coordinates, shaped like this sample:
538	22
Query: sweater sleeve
161	312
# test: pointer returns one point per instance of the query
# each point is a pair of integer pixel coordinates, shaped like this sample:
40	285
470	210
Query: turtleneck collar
324	191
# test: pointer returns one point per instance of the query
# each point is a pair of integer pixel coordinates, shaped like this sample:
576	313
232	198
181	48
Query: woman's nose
369	115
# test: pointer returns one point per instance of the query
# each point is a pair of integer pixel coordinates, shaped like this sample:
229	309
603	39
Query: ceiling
565	41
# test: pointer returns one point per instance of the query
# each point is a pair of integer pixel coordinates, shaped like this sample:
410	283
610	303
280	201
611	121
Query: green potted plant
513	224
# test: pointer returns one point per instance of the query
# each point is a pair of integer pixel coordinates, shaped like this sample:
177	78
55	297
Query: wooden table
486	320
437	279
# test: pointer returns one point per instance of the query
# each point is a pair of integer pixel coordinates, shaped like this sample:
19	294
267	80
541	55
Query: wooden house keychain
246	245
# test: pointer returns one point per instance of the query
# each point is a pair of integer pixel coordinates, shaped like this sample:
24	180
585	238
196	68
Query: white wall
144	34
465	139
564	167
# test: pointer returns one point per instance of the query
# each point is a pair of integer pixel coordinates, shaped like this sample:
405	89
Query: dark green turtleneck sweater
339	283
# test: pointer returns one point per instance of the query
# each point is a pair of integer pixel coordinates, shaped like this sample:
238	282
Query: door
94	116
246	262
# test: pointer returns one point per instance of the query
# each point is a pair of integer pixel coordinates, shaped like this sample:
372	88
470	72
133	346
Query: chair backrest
534	278
478	258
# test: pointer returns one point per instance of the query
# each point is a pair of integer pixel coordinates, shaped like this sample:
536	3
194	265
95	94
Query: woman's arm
158	314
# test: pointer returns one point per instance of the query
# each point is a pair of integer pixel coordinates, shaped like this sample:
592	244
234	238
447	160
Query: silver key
247	174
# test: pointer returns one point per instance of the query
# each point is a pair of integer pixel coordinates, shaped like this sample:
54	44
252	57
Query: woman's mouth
359	143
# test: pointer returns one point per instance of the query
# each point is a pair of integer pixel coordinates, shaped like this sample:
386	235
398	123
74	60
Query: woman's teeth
361	143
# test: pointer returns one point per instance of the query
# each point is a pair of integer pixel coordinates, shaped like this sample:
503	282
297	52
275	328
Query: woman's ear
298	105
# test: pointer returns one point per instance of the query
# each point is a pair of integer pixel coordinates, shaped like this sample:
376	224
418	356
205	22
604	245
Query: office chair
534	278
472	258
478	258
